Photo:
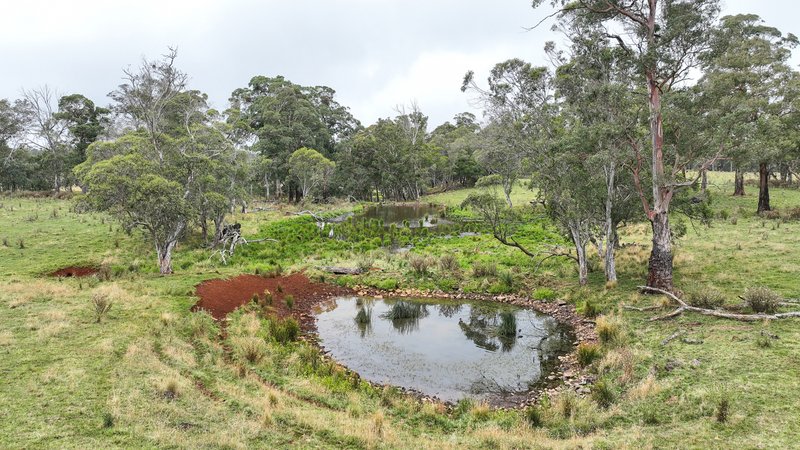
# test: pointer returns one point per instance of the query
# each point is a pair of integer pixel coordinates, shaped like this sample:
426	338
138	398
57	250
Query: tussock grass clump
723	408
101	305
566	404
289	299
589	309
706	298
377	424
404	310
420	265
449	263
285	330
480	411
508	325
108	420
200	324
249	348
609	329
365	263
507	279
602	394
484	269
533	416
587	353
762	299
170	388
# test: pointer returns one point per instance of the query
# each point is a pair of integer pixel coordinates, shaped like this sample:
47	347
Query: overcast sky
375	53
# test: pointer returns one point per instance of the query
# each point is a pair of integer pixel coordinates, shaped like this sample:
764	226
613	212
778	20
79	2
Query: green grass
151	374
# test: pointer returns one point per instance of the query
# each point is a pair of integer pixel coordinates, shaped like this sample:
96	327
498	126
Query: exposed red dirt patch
220	297
75	271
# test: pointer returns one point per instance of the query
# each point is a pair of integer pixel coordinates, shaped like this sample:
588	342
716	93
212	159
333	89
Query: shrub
5	242
482	269
544	294
489	180
707	298
587	353
602	394
21	244
449	263
608	329
420	265
508	325
101	304
762	299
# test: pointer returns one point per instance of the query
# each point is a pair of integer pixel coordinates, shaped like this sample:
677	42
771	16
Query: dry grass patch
649	386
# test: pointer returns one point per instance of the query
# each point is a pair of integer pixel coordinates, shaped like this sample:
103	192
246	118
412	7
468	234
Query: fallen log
683	307
342	270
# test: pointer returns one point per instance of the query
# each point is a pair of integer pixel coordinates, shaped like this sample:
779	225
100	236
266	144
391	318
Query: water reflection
447	349
411	215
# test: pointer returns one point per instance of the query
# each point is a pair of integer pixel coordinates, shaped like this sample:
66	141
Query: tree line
622	125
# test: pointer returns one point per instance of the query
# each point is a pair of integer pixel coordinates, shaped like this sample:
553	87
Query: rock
695	363
672	364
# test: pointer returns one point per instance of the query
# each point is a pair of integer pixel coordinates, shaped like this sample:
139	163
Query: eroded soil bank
220	297
75	271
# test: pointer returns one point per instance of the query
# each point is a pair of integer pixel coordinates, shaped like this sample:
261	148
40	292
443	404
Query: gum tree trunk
704	181
763	188
660	263
738	183
580	250
165	257
610	226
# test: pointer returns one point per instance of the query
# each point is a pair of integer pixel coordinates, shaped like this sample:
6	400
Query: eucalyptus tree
85	122
177	166
516	103
594	90
278	117
746	77
311	170
663	39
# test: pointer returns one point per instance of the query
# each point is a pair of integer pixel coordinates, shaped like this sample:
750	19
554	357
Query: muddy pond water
450	350
430	215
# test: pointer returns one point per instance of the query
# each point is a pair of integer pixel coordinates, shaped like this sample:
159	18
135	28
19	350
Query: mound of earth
75	271
220	297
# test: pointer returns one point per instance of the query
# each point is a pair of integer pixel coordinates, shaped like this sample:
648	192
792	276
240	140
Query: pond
445	349
430	215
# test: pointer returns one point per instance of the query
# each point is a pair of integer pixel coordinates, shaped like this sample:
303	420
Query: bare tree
44	131
146	93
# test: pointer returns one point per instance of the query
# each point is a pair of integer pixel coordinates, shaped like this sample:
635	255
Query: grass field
152	374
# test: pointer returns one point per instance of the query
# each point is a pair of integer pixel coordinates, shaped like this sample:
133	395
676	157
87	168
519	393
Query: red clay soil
74	271
220	297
